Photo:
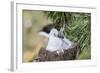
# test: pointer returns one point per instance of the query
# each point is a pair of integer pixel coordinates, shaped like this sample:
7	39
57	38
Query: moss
85	54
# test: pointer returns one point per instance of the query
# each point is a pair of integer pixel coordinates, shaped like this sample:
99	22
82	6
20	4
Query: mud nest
69	54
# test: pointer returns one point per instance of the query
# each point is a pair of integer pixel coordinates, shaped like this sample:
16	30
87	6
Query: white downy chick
54	43
57	44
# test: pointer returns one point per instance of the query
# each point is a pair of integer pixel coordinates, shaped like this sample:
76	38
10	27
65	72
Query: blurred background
77	29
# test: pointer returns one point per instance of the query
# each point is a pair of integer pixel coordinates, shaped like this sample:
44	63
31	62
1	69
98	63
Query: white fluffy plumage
57	44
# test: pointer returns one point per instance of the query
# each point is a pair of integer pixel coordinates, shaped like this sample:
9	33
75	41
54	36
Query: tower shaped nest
70	54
